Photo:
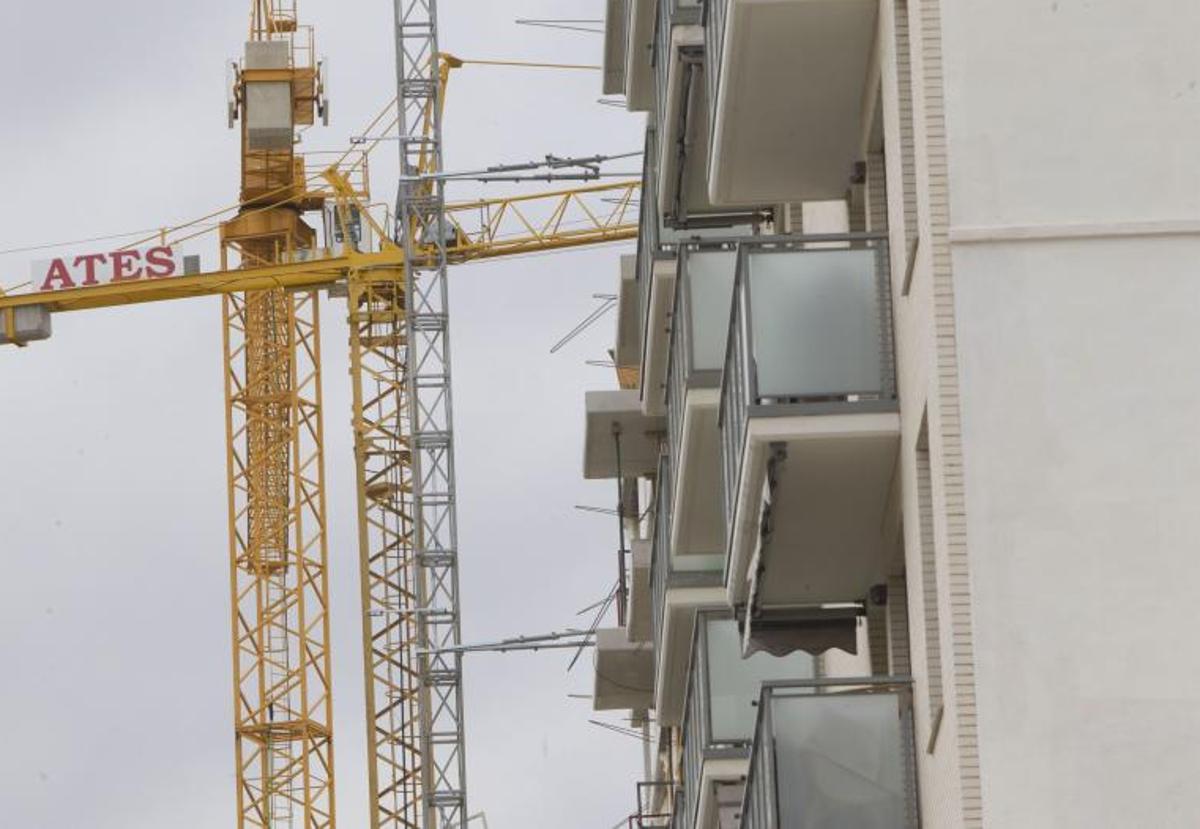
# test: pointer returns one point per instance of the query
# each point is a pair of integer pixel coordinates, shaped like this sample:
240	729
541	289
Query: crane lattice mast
276	469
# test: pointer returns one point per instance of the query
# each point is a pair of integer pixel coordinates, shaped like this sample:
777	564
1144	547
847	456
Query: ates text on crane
88	269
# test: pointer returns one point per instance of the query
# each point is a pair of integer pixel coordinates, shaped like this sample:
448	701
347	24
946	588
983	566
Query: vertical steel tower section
283	706
422	229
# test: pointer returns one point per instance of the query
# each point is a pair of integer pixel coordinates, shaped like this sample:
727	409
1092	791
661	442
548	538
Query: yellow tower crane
273	264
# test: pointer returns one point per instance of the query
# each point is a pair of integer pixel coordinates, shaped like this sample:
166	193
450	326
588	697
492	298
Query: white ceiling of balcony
788	122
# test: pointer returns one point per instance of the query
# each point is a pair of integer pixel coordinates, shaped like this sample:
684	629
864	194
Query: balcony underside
698	528
788	120
609	413
624	672
825	542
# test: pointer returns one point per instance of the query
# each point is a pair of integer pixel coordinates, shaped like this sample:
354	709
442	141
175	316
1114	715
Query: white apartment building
906	416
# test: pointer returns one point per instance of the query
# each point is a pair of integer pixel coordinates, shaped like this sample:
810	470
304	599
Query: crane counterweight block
25	324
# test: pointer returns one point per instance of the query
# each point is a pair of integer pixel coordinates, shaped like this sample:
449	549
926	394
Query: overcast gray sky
114	594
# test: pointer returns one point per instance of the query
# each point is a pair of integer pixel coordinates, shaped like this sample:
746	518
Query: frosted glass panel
698	563
735	683
710	282
839	761
815	320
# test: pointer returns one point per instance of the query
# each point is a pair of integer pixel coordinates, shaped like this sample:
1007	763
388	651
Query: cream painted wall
1072	110
1080	412
1075	362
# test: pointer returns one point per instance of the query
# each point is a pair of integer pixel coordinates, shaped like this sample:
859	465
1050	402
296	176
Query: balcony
787	84
655	272
699	329
832	759
655	805
624	672
718	726
809	423
680	587
682	115
619	440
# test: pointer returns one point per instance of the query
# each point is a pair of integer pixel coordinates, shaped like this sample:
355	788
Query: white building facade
904	381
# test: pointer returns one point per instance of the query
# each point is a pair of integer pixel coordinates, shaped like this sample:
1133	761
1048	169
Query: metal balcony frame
761	784
698	744
657	820
740	398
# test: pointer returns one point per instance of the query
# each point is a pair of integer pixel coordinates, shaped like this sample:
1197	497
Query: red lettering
89	261
122	261
160	262
58	272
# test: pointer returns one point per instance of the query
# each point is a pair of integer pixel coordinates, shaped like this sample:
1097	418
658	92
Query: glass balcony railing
826	755
809	333
699	326
723	689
